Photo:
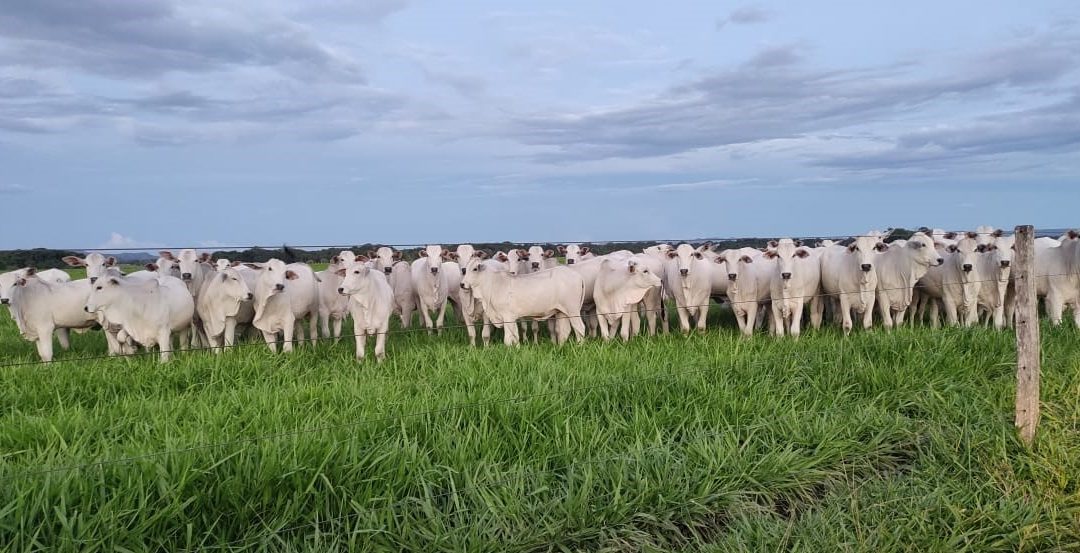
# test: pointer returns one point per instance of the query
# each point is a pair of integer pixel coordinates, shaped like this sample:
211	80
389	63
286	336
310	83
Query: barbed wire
404	246
300	342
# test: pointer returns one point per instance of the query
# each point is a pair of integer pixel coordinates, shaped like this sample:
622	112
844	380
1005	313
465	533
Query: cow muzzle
4	301
967	267
387	270
434	270
93	280
85	307
279	287
787	276
185	276
684	272
569	261
535	266
463	287
250	296
341	291
732	277
940	261
866	267
1005	263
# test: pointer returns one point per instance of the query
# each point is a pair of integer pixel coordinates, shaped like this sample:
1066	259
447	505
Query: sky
169	123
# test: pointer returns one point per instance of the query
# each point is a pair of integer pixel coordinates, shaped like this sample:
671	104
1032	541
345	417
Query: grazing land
879	441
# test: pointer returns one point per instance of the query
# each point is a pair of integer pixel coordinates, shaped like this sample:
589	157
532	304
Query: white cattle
371	302
95	263
575	253
225	301
540	259
557	292
7	285
849	278
221	264
899	269
42	306
955	283
333	307
620	285
284	296
431	286
688	278
472	309
748	278
148	310
652	305
985	235
995	267
794	282
194	267
1057	277
399	274
588	270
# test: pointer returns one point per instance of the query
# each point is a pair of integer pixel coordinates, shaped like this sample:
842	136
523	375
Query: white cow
557	292
849	278
588	270
995	266
985	235
1057	277
431	286
284	296
371	302
794	282
96	264
621	285
221	264
955	283
7	285
540	259
225	301
689	281
748	277
899	269
399	274
41	307
333	307
194	267
575	253
472	309
148	310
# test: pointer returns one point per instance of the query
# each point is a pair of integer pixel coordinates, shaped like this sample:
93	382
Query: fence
1027	397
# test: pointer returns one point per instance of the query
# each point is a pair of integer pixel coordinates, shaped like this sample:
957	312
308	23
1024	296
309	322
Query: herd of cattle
206	302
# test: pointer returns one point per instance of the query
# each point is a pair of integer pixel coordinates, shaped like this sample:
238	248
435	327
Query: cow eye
98	288
356	272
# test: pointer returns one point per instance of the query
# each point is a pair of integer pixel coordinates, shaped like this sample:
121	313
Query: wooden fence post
1027	335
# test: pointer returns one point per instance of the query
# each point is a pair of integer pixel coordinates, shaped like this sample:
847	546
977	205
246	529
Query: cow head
964	255
231	285
573	253
95	263
273	276
517	261
784	253
384	259
11	279
538	256
223	264
109	289
189	262
432	258
735	261
1004	248
355	278
864	250
924	251
475	269
684	257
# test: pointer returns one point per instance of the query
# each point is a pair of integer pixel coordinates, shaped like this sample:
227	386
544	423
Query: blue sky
197	122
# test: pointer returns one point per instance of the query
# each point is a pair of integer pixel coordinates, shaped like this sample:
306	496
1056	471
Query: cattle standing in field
588	270
1057	272
148	310
42	307
955	284
995	265
575	253
557	292
748	279
848	275
333	307
284	296
472	309
194	268
399	274
900	267
620	285
794	282
689	280
431	286
225	301
371	302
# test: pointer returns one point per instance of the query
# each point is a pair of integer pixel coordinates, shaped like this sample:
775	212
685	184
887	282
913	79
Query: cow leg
817	311
885	307
627	320
951	317
339	320
510	332
702	315
470	329
845	314
313	321
776	323
796	318
289	331
164	343
361	341
1055	307
45	344
604	327
868	310
748	319
440	317
380	342
485	332
63	337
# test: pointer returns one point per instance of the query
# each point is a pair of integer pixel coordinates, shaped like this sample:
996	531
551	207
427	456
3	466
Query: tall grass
878	441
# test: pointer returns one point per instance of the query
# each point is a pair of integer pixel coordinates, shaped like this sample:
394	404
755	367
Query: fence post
1027	335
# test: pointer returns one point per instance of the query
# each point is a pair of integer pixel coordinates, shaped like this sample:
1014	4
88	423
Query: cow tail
663	300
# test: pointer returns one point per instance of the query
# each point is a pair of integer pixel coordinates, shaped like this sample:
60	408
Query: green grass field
877	442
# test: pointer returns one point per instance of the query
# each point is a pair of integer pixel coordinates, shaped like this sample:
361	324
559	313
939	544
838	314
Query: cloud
118	241
13	189
775	96
746	15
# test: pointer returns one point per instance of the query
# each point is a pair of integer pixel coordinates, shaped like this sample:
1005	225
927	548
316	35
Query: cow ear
1073	235
423	252
166	254
152	267
549	253
335	260
952	248
110	261
363	258
237	263
697	255
746	259
340	272
73	261
584	250
998	233
291	275
256	266
205	257
480	254
29	271
502	257
803	254
20	281
881	246
480	267
981	248
562	249
370	253
770	254
224	277
672	254
116	282
972	234
396	256
950	235
798	243
773	243
938	245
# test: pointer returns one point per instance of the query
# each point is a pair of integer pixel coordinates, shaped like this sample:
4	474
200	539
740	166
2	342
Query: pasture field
897	441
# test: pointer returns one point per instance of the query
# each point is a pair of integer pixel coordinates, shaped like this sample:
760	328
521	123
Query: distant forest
46	258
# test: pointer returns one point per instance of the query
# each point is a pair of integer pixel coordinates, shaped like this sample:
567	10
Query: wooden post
1027	335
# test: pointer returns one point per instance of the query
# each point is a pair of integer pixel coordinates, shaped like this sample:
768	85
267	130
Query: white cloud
120	242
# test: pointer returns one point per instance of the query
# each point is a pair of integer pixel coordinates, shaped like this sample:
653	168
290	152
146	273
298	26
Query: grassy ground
877	442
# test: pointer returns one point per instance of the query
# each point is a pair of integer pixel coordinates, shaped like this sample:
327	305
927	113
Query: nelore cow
285	295
148	311
371	302
794	282
849	278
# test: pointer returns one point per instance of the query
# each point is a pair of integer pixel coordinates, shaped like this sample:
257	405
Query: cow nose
966	267
4	301
279	287
732	276
569	261
684	272
250	296
85	307
787	276
341	290
535	265
940	261
1005	263
387	270
462	285
866	267
93	280
434	270
463	271
186	276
